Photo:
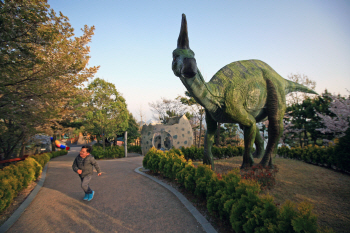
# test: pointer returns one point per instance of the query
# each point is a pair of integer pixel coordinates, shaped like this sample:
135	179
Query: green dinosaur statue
243	92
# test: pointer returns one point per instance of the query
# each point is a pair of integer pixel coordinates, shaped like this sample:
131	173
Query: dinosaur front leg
209	139
248	124
249	138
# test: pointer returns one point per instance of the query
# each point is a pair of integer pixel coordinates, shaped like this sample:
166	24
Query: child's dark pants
85	184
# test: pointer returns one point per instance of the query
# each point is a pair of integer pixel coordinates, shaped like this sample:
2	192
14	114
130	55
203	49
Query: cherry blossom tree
339	123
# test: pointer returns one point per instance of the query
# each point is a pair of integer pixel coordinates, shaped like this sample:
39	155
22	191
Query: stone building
177	132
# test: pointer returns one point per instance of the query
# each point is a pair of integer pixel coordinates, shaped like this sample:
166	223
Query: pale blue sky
134	40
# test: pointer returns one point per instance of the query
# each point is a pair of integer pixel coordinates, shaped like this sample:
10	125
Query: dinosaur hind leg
275	109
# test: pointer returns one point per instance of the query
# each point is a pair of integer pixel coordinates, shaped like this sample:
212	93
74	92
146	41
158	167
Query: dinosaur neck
202	92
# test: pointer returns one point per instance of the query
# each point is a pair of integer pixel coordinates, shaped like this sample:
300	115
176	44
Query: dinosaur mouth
189	74
189	69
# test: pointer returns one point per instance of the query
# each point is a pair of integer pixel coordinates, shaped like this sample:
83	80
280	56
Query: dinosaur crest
182	41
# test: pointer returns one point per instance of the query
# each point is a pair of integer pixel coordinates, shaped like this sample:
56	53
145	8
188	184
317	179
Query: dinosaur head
184	64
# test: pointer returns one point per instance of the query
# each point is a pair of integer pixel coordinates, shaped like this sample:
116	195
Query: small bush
203	175
342	152
108	153
305	220
135	149
195	153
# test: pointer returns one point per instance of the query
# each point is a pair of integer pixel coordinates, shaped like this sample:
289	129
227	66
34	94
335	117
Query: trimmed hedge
135	149
108	153
195	153
232	197
325	156
16	177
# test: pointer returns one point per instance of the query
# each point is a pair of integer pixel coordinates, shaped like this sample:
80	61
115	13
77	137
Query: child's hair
88	148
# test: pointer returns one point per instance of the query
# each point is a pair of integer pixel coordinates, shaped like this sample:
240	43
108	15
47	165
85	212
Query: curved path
124	201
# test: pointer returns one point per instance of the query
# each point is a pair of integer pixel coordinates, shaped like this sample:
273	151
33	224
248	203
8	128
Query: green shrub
163	161
168	167
247	199
215	204
195	153
146	158
223	199
285	216
12	171
134	148
108	153
263	217
203	175
342	152
37	167
190	182
6	192
181	175
42	159
15	177
305	220
337	155
154	163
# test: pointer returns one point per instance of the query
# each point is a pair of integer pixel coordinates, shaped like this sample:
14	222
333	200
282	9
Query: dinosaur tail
293	86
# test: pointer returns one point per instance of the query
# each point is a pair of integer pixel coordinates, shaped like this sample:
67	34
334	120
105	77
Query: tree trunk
200	134
53	145
195	137
23	148
103	140
306	141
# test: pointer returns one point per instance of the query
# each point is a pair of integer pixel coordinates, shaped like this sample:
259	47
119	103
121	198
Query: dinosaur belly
221	116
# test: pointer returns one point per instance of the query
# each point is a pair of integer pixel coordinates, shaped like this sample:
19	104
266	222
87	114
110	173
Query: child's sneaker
86	197
91	195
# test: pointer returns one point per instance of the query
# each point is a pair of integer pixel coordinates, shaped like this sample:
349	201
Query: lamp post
125	143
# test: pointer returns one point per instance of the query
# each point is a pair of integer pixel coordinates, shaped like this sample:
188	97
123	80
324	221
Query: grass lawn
327	190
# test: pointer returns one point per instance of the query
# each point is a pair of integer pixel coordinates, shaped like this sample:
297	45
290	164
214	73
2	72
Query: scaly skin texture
243	92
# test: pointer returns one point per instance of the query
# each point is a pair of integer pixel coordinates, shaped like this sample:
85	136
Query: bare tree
141	113
198	113
167	108
298	97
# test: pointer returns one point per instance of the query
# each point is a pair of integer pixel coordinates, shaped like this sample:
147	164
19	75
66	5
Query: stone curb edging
199	217
15	216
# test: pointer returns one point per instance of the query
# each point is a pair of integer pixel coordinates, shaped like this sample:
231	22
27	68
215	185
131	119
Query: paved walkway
124	201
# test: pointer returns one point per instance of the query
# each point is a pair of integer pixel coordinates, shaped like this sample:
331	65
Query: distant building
177	133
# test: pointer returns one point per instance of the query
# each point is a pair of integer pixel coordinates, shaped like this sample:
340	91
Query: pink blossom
338	124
